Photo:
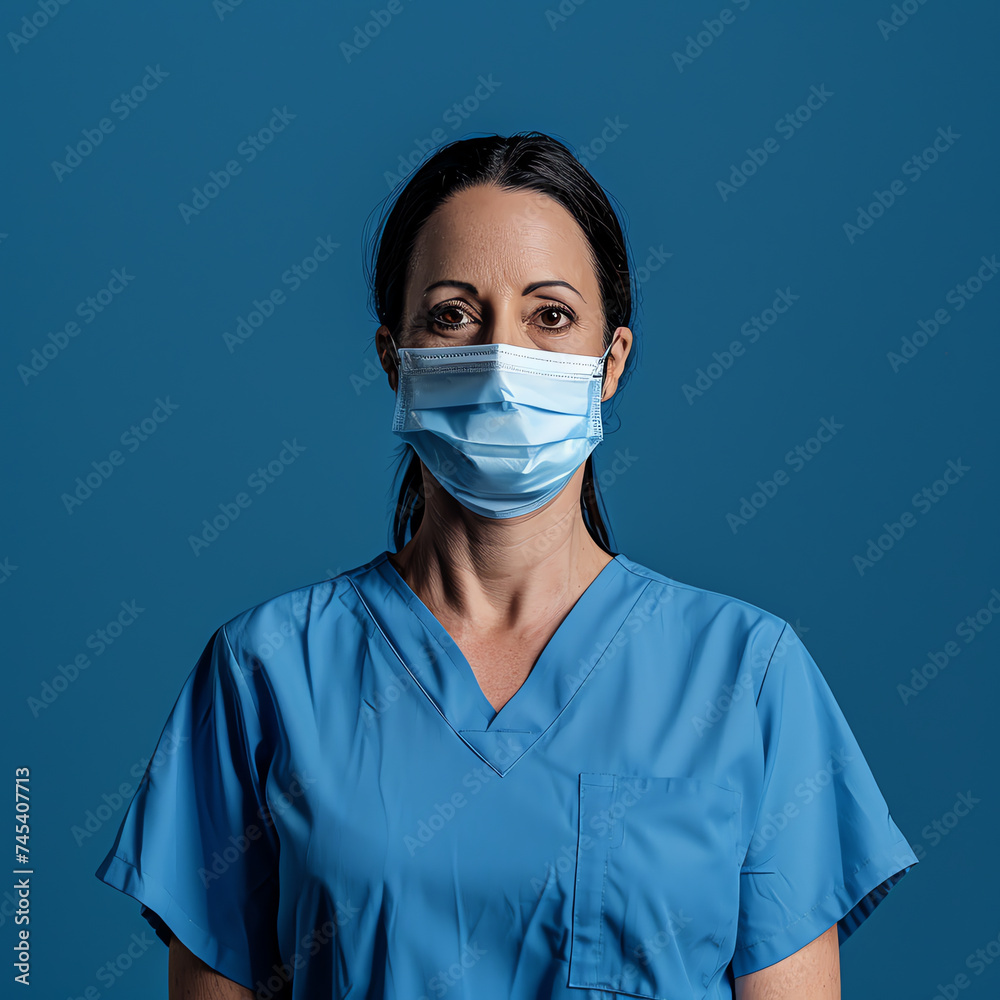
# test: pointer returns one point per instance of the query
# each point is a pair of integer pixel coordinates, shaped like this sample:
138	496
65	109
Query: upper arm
198	847
823	849
191	979
811	973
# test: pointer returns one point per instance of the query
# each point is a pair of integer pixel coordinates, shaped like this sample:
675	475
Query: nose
502	324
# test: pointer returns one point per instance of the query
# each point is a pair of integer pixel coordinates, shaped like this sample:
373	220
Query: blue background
306	374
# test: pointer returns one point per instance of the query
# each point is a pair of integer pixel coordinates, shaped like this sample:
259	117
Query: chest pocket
656	898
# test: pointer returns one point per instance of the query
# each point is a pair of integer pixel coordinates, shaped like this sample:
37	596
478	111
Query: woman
504	760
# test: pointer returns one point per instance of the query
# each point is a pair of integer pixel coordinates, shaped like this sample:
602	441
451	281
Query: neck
497	572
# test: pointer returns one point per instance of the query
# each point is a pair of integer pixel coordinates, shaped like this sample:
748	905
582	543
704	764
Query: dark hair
525	161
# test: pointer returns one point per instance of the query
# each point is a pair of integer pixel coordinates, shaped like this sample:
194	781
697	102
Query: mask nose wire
601	361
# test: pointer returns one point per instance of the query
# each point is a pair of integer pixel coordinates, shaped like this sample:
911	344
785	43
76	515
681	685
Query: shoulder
282	627
704	602
718	624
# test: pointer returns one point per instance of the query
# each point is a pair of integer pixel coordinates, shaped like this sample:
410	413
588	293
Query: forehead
501	236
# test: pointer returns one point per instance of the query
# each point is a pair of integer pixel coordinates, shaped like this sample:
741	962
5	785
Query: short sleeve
197	845
824	849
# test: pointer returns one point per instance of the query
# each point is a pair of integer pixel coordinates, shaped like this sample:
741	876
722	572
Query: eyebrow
528	289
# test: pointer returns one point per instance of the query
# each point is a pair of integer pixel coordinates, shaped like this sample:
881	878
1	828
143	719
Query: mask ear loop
395	354
602	362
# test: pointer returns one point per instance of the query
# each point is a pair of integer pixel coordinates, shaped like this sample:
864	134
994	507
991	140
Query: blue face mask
501	428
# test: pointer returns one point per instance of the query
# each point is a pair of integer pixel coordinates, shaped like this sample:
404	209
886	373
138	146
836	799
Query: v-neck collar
442	672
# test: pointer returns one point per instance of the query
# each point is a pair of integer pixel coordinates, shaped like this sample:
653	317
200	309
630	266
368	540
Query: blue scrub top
672	798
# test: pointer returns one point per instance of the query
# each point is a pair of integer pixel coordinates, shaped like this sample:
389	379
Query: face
511	267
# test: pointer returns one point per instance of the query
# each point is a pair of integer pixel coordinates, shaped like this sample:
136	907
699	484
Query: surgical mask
501	428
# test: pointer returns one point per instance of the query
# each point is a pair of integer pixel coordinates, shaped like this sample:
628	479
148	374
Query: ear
386	355
614	364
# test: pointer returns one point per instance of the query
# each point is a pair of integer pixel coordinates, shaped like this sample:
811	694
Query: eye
455	315
455	310
551	311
